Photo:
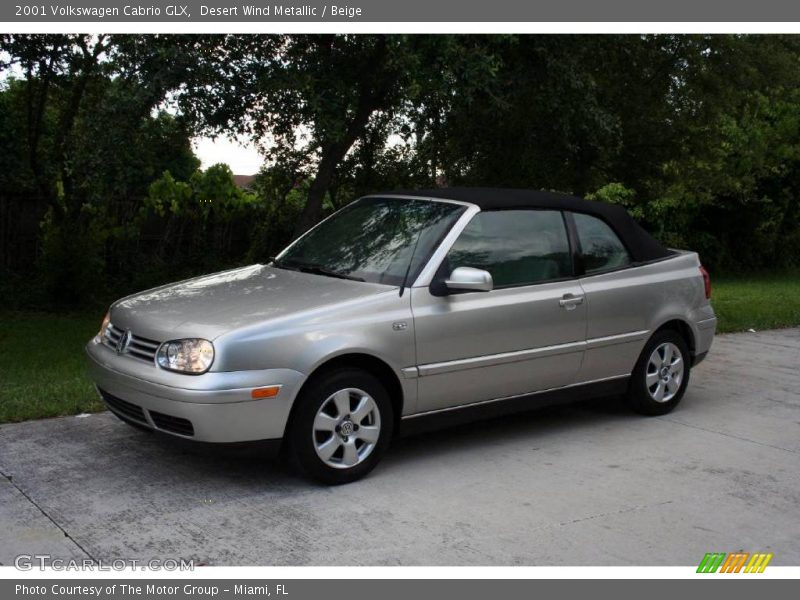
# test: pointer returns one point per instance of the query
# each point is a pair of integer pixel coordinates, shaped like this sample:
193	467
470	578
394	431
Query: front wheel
342	425
661	374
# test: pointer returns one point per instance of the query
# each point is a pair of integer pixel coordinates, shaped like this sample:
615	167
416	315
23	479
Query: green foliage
72	262
168	196
617	193
314	98
282	197
696	135
84	139
14	169
203	224
209	194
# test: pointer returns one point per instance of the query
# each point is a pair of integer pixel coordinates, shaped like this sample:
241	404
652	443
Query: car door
525	335
619	296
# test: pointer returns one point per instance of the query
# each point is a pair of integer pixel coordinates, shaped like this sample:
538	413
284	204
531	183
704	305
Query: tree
697	135
54	66
88	139
314	94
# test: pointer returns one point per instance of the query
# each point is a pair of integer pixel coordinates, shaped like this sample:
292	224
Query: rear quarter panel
630	304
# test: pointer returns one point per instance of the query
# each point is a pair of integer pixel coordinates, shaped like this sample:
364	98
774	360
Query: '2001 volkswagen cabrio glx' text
405	308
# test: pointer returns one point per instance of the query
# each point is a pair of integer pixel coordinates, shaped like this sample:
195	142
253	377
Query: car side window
518	247
601	248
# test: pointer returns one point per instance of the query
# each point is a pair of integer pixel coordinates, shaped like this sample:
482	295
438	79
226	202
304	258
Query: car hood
212	305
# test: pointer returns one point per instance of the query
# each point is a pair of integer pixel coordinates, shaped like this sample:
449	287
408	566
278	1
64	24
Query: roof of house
243	181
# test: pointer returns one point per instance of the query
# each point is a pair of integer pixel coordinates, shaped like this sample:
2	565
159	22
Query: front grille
172	424
124	409
138	347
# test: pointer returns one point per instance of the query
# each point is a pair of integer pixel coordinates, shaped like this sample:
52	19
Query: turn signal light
265	392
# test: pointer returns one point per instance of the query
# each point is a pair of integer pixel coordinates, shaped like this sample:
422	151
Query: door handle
570	301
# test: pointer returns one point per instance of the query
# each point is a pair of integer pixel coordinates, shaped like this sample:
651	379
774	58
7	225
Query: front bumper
213	407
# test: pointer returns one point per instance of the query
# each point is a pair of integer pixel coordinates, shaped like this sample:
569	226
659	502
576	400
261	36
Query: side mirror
467	278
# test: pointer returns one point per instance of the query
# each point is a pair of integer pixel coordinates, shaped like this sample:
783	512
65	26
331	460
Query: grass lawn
756	301
42	371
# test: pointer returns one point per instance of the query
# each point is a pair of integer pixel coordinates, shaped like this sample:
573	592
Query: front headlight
191	355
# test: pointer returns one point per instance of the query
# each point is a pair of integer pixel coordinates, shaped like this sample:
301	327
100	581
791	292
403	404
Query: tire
661	374
341	425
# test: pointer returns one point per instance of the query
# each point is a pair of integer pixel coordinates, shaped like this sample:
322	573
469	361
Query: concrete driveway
583	485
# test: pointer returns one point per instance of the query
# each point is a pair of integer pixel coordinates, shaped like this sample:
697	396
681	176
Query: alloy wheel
346	428
664	374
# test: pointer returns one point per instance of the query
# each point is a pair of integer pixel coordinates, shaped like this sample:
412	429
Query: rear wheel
661	374
341	427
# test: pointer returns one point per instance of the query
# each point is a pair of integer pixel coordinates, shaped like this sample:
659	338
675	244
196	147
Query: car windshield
378	240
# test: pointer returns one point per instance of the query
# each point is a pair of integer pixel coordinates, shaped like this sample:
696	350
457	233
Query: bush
72	264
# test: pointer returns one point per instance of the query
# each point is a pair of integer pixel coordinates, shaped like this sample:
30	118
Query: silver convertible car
406	310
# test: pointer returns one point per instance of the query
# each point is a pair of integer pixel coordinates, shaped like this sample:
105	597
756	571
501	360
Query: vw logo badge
124	341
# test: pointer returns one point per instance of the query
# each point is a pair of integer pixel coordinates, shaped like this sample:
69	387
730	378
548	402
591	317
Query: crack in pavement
610	513
614	512
25	495
730	435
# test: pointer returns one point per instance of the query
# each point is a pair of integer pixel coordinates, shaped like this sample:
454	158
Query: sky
240	154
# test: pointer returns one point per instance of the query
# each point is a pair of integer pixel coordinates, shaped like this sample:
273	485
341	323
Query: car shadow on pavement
266	468
537	423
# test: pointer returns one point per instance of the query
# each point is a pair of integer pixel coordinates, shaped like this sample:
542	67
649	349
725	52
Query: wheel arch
683	329
366	362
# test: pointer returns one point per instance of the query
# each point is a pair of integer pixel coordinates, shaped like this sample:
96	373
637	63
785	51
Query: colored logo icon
736	562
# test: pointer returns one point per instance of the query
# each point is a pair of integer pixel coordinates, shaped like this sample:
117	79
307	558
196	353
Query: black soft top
642	246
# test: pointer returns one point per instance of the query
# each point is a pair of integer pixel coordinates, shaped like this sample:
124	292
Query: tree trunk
69	114
35	118
312	211
372	95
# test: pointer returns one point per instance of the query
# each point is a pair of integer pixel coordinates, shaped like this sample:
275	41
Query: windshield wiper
316	269
282	265
323	270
